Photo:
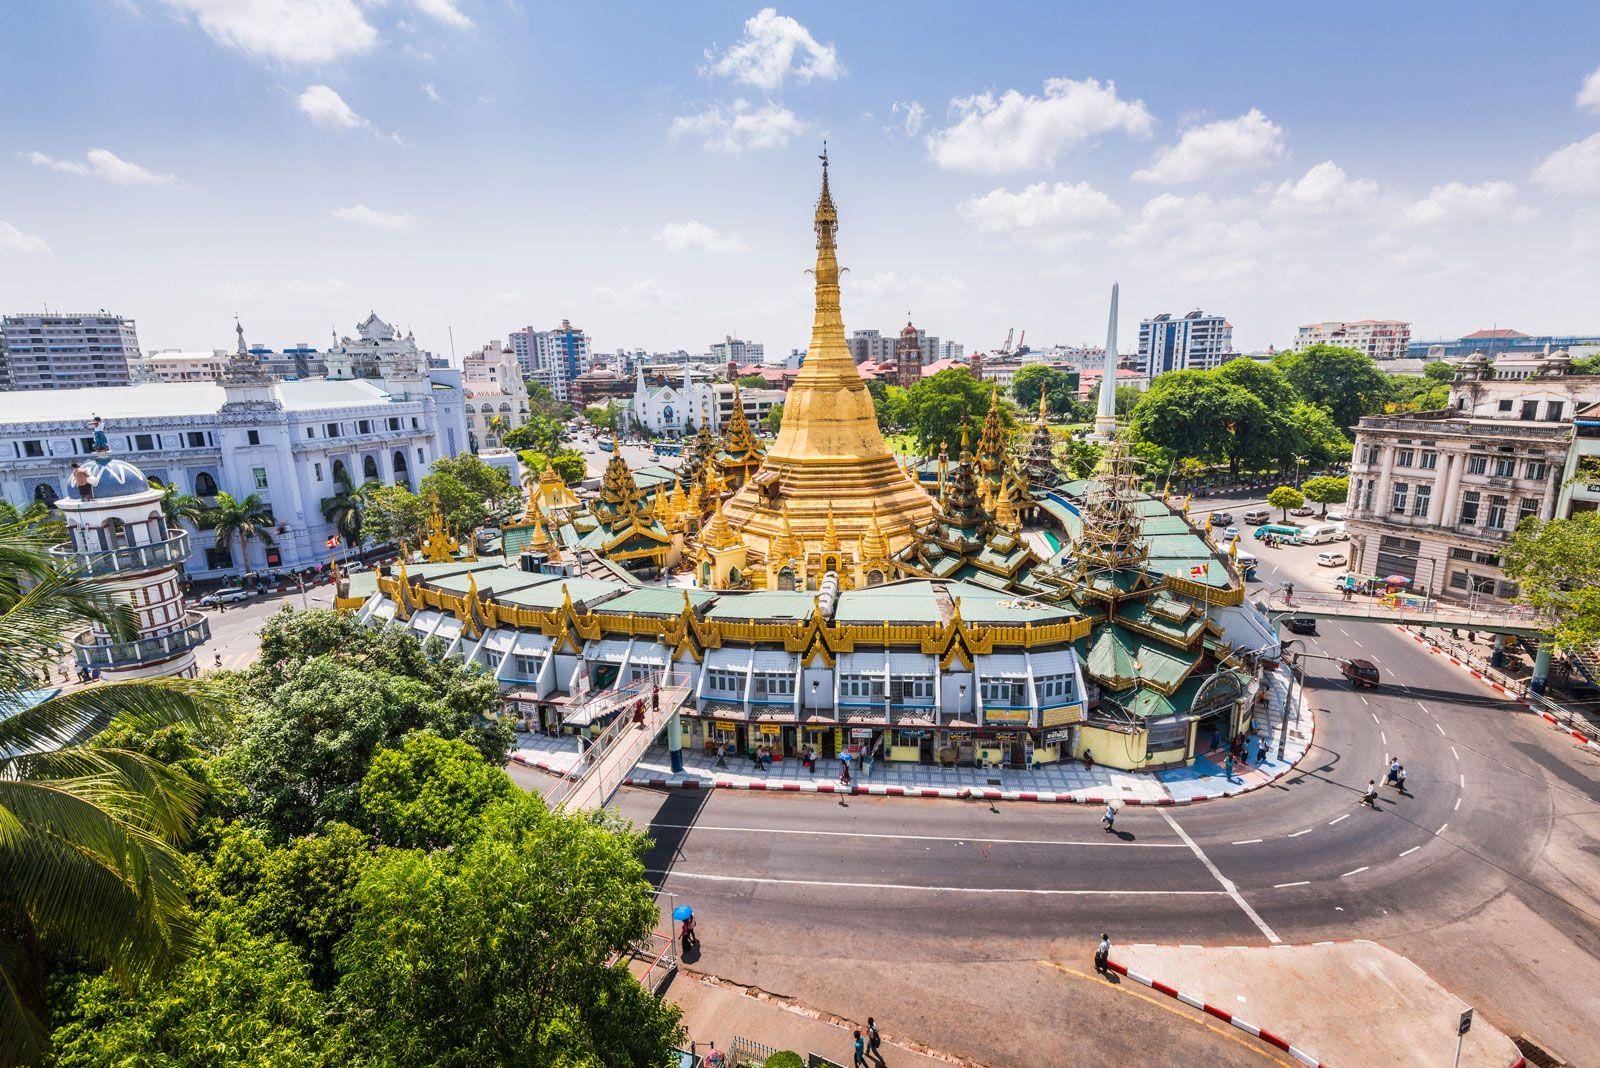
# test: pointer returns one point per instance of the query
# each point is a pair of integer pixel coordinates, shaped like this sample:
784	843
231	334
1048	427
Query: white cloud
1456	201
907	118
1573	169
773	48
508	297
1227	146
941	292
696	236
14	240
1058	207
643	294
430	92
1322	190
288	31
325	107
445	11
382	220
740	128
102	163
1588	97
1015	132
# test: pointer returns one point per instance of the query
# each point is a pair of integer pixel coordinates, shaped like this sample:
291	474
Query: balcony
94	652
99	562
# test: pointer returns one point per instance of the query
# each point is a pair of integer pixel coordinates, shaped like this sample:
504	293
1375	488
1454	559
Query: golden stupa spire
874	543
830	534
1044	415
1005	509
786	546
719	535
538	541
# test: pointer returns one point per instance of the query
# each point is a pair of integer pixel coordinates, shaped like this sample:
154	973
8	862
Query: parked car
1231	532
226	595
1256	516
1304	509
1221	517
1318	533
1360	673
1301	624
1332	558
1335	517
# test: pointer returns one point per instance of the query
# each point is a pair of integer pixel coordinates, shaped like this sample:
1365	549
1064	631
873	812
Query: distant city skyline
484	165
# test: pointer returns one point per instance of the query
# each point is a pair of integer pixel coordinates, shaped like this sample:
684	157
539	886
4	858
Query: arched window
505	407
874	577
205	485
339	473
156	480
786	579
487	408
399	462
369	467
46	493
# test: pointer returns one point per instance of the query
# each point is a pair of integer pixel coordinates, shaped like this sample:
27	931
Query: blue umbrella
683	912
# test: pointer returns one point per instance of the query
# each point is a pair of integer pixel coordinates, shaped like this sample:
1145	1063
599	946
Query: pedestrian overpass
612	753
1500	619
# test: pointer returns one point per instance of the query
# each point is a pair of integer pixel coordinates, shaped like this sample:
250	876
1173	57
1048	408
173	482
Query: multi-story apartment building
1435	496
170	365
1381	339
55	350
296	443
1195	341
881	348
496	395
734	350
531	348
949	350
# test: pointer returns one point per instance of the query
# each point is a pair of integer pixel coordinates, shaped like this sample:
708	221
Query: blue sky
648	171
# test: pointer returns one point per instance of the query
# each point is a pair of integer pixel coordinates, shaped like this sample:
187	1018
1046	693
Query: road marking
1248	841
1227	884
1365	701
1284	886
1425	708
1358	871
1463	782
1374	717
1454	753
1358	645
676	874
1458	805
1410	851
1383	737
1436	723
1441	829
1336	819
915	837
1297	834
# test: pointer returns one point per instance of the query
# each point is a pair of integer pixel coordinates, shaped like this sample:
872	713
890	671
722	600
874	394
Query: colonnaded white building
292	442
698	402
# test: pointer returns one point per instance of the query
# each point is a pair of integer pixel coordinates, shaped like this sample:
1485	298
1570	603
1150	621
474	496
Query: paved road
1486	876
236	632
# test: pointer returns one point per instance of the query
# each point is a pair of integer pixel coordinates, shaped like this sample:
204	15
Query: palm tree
347	508
177	506
244	518
87	834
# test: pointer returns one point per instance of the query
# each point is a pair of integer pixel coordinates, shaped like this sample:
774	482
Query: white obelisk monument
1105	420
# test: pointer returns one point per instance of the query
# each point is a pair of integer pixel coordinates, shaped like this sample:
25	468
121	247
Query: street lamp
1296	664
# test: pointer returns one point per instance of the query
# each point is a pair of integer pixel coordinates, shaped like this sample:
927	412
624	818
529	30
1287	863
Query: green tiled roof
1117	654
899	602
1163	524
1111	657
648	478
769	606
657	600
548	594
499	579
981	604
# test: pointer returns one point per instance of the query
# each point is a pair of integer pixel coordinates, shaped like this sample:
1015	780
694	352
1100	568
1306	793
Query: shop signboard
1055	717
1005	715
771	729
861	732
725	725
1058	737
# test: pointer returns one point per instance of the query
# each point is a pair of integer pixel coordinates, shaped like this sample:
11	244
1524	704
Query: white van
1331	558
1257	516
1321	533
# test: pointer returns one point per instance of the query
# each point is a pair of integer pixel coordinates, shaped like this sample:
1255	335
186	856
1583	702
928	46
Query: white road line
1424	708
1227	884
1454	753
1282	886
915	837
1358	871
1463	782
1374	716
675	874
1458	805
1297	834
1436	723
1383	737
1336	819
1441	829
1248	841
1410	851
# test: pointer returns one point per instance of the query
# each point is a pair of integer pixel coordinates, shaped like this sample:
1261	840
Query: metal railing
174	550
1500	619
615	750
96	652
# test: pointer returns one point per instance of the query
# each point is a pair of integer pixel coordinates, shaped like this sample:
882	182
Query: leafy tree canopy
772	422
429	793
1059	388
1326	490
1345	383
541	431
938	406
1556	565
1285	498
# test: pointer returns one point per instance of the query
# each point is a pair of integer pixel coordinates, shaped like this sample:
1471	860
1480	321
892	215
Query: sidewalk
1202	781
714	1013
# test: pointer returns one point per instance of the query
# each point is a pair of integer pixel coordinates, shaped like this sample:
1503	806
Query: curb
1577	736
1222	1014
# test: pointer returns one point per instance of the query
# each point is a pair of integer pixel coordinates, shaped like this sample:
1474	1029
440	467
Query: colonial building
495	394
675	409
1435	496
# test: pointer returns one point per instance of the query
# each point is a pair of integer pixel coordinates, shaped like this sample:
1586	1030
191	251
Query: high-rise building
532	349
1196	341
1382	339
733	350
949	350
54	350
884	348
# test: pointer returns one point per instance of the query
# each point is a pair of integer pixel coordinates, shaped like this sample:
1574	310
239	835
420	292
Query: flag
1199	570
333	542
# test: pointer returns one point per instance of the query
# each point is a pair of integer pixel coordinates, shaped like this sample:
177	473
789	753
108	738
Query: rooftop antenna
452	332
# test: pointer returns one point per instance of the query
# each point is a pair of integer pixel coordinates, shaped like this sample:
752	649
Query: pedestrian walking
1227	767
1110	819
1088	760
715	1059
860	1051
1102	954
874	1040
1393	778
1400	781
844	772
1370	798
722	755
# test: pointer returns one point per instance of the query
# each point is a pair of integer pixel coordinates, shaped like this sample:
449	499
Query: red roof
1494	333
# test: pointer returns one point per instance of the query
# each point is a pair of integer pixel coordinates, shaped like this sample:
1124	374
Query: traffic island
1350	1004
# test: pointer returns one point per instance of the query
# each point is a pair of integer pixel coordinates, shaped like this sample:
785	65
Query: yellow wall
905	752
1111	748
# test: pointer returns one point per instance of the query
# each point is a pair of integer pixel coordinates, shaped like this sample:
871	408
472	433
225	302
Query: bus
667	448
605	444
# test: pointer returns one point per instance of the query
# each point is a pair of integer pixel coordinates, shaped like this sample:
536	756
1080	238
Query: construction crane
1022	342
1005	350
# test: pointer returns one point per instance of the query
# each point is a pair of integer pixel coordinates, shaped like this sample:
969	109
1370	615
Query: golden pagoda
829	452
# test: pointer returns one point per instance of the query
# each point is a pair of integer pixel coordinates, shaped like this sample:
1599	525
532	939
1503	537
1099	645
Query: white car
1335	517
1331	558
226	595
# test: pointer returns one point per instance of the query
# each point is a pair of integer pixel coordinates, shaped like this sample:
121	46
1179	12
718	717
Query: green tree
1079	457
1556	565
468	491
609	417
1265	381
753	382
540	431
1309	433
87	833
1439	371
1326	490
772	422
1059	388
937	407
1345	383
1285	498
1409	393
245	519
347	509
1196	414
498	953
394	515
240	1000
1127	400
429	793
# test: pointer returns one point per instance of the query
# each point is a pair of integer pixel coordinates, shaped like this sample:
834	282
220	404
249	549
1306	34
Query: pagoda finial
1043	411
830	534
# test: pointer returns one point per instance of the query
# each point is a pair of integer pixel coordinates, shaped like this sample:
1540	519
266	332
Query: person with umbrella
685	916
